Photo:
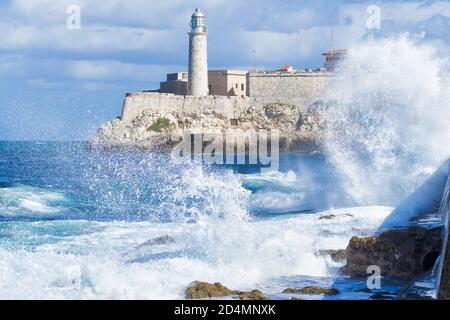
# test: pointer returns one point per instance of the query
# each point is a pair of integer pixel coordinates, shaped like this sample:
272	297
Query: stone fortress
202	99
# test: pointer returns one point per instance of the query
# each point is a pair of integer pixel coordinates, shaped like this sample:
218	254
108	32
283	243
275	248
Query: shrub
161	124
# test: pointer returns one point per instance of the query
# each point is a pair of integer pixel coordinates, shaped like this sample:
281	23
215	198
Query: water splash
155	187
203	192
444	208
388	119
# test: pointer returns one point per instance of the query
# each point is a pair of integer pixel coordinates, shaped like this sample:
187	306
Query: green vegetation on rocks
161	124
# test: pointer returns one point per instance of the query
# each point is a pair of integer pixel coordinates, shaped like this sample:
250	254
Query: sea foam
108	261
27	201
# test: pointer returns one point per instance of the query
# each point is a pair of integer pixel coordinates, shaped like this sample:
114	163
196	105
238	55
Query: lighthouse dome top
198	13
198	22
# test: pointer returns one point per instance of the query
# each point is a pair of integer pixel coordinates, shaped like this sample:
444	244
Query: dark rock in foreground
333	216
205	290
336	255
400	253
313	291
157	241
328	217
251	295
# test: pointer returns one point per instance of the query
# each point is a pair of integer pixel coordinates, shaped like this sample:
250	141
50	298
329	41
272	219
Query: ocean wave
275	191
279	202
28	201
270	179
155	187
118	261
202	193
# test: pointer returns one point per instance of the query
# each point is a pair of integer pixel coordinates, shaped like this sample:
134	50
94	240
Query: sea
77	223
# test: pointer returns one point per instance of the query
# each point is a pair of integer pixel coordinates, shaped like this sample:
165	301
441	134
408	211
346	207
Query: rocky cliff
149	120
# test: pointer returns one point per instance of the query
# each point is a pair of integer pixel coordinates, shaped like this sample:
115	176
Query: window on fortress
237	86
242	87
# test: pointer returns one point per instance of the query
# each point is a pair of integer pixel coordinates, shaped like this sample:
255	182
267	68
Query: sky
61	83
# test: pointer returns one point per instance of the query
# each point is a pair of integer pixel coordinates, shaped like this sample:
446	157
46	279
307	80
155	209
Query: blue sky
60	84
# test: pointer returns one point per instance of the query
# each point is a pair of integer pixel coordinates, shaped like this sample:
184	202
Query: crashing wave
27	201
388	120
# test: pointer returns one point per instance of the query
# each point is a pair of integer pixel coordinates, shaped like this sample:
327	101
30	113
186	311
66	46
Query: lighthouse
198	56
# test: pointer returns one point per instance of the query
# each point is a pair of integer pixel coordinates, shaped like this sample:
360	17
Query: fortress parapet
303	87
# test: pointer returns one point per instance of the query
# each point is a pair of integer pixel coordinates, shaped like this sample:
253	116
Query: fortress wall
229	107
301	88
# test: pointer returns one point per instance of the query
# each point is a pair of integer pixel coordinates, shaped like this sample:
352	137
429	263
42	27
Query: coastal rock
313	290
203	290
157	241
328	217
314	117
149	121
333	216
251	295
335	255
400	253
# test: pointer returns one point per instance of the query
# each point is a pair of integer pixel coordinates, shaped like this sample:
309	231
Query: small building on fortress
286	83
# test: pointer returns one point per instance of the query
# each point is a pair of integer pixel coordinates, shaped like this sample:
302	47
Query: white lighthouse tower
198	56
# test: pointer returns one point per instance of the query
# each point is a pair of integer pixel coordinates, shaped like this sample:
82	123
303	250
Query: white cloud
89	38
290	32
42	83
92	74
414	12
113	70
160	27
115	12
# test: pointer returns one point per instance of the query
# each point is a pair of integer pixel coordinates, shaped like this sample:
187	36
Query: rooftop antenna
332	38
332	41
